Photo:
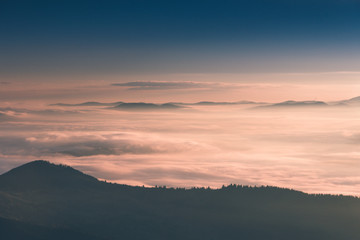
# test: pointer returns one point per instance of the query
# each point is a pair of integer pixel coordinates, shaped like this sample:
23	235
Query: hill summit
42	175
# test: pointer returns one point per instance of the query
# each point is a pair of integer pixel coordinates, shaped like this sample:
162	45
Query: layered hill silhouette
145	106
351	101
296	104
43	199
286	105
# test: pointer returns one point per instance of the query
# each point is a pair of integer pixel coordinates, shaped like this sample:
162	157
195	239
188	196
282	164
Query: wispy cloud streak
154	85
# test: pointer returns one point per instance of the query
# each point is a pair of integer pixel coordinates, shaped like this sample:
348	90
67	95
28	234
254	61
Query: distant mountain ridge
351	101
56	197
154	105
146	106
178	105
296	104
301	103
86	104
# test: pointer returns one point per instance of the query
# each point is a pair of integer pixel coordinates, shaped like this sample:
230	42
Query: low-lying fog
311	148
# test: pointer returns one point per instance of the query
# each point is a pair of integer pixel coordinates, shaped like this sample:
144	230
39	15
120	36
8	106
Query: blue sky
68	37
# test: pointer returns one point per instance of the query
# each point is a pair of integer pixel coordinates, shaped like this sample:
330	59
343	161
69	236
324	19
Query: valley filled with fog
308	146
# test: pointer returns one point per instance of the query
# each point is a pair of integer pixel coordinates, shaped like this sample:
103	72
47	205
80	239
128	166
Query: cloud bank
153	85
80	145
221	144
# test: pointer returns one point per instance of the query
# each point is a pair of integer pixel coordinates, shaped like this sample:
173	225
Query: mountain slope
350	102
15	230
146	106
42	175
293	104
114	211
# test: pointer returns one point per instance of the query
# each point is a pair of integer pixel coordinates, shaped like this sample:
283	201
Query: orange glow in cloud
310	149
271	87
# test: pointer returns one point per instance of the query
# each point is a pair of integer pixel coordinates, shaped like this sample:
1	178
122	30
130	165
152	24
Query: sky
157	37
183	52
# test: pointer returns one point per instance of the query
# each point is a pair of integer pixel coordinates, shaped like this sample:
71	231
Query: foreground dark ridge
41	173
45	199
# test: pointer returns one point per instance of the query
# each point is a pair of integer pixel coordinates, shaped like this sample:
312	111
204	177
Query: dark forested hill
42	199
15	230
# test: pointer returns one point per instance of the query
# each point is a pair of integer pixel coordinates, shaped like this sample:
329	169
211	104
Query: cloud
86	104
21	111
146	106
159	85
173	176
105	147
81	145
52	112
4	83
316	152
4	117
